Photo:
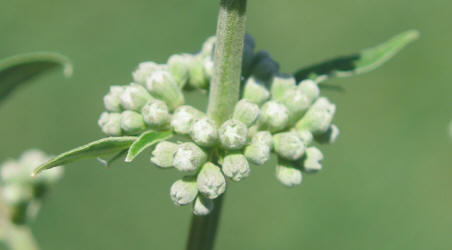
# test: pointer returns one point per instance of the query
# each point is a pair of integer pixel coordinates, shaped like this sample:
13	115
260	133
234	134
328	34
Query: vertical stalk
223	95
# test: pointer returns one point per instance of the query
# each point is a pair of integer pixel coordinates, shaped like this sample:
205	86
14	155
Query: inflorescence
275	114
21	194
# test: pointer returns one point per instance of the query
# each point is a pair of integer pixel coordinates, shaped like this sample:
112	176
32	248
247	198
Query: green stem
223	95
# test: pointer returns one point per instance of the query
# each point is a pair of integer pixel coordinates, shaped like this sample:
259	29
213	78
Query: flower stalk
224	94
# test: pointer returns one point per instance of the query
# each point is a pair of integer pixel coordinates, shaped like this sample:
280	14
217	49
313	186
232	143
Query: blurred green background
386	183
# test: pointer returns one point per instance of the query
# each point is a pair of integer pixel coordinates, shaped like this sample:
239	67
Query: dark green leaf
18	69
359	63
146	140
109	145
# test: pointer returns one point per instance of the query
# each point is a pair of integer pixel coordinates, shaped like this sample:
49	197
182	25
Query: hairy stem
224	94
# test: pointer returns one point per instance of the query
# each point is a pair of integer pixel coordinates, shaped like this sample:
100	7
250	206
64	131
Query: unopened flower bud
197	74
16	194
263	66
204	132
288	146
297	103
211	181
134	97
305	136
208	67
310	89
318	118
246	112
178	66
144	70
110	123
263	137
255	91
50	176
163	154
329	136
233	134
202	206
274	116
252	131
311	163
258	153
288	174
132	123
236	167
189	157
12	172
280	85
155	113
112	101
183	118
162	85
184	192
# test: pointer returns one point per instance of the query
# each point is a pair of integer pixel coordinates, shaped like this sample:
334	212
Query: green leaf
365	61
146	140
105	146
16	70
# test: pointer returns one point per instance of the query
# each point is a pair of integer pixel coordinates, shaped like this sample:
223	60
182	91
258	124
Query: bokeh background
386	183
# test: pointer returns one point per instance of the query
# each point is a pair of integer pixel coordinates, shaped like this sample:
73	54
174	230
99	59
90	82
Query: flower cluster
20	193
275	114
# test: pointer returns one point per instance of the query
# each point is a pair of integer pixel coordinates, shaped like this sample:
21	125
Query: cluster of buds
21	194
275	114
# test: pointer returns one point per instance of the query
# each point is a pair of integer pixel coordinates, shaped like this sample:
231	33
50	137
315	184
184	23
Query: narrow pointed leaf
105	146
146	140
16	70
365	61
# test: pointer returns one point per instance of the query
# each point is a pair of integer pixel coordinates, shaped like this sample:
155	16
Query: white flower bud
163	154
162	85
233	134
208	47
329	136
255	91
288	146
236	167
134	97
311	163
280	85
288	174
144	70
183	118
263	66
189	157
204	132
16	194
132	123
263	137
156	113
110	123
310	89
184	192
50	176
246	112
274	116
305	136
318	118
202	206
32	158
178	66
258	153
12	172
208	67
112	101
297	104
211	181
197	74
